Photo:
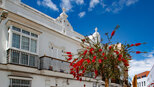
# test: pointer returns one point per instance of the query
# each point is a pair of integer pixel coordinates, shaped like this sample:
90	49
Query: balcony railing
53	64
22	58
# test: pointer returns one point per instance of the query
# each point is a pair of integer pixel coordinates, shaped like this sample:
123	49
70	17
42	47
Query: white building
150	78
142	79
31	49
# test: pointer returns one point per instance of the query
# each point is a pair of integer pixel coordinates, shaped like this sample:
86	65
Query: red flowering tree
110	61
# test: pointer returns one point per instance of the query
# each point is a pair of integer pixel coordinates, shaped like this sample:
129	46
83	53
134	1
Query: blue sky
135	17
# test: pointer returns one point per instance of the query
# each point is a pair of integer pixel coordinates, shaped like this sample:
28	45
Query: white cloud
66	4
48	3
38	2
117	6
130	2
92	4
79	2
137	67
81	14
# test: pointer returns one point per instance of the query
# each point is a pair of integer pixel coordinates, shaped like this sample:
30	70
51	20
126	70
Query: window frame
10	45
21	79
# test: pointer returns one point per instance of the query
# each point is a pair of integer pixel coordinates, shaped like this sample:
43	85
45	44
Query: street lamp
3	15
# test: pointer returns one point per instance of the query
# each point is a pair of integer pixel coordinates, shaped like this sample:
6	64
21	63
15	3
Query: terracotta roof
143	74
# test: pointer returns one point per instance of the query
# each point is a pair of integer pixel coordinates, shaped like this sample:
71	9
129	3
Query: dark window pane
24	59
32	60
16	40
16	29
15	57
25	32
34	35
25	43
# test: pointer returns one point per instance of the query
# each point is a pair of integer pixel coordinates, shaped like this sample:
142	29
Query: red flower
83	40
103	54
138	52
80	79
116	52
100	50
93	60
119	59
91	49
120	55
100	60
125	61
69	58
84	85
132	45
110	47
113	32
137	44
91	52
85	52
96	73
105	58
94	57
68	52
70	55
126	64
88	61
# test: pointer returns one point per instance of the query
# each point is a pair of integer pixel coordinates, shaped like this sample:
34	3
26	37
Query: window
16	40
25	32
20	83
33	45
32	60
25	43
24	40
15	57
144	83
24	59
34	35
16	29
143	76
18	57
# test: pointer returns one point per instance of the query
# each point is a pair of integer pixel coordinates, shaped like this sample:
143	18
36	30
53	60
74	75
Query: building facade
150	78
32	47
142	79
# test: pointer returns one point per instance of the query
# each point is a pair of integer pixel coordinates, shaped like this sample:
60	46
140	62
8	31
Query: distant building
150	78
142	79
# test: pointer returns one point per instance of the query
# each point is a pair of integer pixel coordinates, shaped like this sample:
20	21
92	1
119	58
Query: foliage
103	59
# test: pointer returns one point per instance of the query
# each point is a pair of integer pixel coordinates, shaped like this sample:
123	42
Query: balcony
22	58
54	64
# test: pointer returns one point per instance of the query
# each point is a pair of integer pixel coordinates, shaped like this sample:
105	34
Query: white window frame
20	78
11	31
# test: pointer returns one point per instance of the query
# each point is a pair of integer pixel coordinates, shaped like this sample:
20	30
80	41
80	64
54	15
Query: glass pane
25	32
15	57
25	43
20	83
32	60
16	40
16	29
34	35
24	59
33	45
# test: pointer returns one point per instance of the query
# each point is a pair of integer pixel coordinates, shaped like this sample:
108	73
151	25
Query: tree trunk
106	82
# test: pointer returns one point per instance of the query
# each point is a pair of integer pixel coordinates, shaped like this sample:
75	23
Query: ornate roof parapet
62	19
95	36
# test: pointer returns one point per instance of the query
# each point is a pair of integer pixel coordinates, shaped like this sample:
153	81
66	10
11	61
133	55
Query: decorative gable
62	19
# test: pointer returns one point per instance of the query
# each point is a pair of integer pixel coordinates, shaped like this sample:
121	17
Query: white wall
142	80
44	81
150	78
3	42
